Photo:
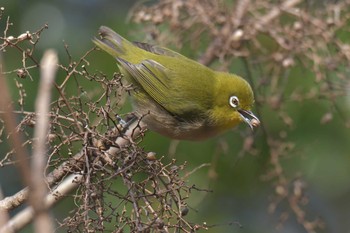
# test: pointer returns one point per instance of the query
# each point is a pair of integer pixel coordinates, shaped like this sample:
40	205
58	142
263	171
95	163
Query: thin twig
24	217
15	137
76	163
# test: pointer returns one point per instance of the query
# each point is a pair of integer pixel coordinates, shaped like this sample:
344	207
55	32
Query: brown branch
15	137
24	217
4	216
38	189
275	12
73	165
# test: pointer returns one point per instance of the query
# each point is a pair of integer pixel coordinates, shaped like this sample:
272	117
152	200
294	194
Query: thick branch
38	188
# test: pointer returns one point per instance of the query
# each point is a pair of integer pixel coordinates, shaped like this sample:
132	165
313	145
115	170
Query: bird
176	96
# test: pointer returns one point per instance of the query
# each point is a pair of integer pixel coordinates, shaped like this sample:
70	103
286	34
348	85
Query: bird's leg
111	135
120	120
130	118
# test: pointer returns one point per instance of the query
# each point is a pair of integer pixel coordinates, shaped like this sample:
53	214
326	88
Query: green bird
179	97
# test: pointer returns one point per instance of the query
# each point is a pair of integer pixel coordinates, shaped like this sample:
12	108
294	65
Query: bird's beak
249	118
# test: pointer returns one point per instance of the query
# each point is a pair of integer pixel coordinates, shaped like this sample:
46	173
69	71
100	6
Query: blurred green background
320	155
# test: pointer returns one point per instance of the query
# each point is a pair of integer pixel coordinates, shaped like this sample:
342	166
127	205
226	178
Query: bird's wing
157	49
155	80
151	76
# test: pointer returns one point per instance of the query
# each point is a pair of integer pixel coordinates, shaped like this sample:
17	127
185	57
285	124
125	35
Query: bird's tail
113	43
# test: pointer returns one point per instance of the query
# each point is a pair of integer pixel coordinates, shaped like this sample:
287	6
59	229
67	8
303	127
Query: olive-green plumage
179	97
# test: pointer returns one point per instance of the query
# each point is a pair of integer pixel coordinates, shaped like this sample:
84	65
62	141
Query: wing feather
151	76
157	82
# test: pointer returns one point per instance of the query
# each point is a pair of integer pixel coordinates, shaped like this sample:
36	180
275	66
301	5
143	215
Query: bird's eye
234	102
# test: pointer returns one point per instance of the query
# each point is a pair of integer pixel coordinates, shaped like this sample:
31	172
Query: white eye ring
234	101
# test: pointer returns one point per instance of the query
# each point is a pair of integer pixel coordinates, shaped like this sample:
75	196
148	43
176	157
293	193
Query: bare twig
25	217
11	202
4	216
38	189
14	135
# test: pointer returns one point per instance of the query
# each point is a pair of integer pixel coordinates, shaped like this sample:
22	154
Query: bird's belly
159	120
171	127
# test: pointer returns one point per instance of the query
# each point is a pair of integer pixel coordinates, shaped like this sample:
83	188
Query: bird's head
232	103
